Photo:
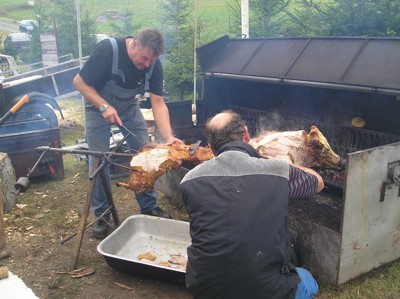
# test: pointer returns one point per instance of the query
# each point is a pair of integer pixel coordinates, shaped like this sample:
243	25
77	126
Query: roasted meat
178	259
154	160
298	147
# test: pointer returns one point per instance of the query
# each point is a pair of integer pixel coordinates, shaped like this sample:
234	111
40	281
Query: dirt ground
49	212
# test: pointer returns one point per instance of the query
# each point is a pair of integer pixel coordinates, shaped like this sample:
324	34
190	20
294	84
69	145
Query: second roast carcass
310	150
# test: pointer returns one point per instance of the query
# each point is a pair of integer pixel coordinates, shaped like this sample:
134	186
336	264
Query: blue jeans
307	287
98	139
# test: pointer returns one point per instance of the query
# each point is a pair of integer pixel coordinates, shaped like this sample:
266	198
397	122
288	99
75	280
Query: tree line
267	18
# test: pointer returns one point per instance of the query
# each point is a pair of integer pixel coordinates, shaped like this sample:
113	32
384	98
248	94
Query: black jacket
237	205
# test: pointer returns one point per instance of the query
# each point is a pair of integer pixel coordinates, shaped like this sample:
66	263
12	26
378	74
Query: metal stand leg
89	195
85	213
109	197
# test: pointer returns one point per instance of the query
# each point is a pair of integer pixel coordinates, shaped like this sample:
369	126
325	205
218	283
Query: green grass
146	12
383	283
16	9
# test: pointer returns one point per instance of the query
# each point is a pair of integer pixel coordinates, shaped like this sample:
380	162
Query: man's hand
111	116
173	139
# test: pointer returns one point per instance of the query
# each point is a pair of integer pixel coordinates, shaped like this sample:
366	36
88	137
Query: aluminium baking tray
139	234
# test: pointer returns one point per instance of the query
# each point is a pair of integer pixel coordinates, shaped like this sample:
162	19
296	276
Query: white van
27	26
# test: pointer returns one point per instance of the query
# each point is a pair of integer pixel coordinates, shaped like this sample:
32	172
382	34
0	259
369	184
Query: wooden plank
2	230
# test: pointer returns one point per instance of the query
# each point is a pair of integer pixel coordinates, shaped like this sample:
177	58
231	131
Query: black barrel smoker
34	124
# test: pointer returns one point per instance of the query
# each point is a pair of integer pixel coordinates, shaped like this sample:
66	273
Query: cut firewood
123	286
78	273
3	272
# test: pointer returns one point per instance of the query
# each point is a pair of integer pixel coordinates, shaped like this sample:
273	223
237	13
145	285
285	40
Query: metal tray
139	234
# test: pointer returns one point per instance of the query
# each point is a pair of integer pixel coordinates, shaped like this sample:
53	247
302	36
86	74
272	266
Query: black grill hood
353	63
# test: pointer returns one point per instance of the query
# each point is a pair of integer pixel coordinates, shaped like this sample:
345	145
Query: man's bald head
220	120
224	127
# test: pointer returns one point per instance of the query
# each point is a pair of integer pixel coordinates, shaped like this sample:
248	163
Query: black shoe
100	229
158	212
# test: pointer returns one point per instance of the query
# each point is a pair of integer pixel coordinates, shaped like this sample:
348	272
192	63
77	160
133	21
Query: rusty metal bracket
384	185
393	177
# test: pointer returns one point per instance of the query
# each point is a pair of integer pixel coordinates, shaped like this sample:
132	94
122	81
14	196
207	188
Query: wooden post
7	183
2	231
7	192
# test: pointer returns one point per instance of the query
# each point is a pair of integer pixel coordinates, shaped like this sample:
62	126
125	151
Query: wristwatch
103	107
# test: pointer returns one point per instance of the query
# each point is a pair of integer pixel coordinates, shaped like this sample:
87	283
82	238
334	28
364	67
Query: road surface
8	25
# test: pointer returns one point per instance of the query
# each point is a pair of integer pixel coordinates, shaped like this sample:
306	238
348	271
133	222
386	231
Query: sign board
49	49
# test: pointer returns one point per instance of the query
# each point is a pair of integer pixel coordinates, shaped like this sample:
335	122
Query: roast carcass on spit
156	159
311	149
298	147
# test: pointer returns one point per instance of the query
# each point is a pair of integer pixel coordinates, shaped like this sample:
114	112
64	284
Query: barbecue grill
350	89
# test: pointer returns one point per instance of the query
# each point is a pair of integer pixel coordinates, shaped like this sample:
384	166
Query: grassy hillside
146	12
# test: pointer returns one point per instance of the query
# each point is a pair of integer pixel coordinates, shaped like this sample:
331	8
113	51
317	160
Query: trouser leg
98	139
133	119
307	287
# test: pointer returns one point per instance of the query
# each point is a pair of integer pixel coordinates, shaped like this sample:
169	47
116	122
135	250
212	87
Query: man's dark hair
153	39
231	131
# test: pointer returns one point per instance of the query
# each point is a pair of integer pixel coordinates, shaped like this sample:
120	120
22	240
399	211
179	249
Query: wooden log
2	230
3	272
7	183
7	192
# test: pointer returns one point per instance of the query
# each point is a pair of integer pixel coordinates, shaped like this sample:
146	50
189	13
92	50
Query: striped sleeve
301	184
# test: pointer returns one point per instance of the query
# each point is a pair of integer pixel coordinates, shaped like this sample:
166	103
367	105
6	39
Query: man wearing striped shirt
238	209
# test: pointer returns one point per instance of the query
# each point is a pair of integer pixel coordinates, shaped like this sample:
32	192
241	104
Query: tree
125	27
349	18
235	18
176	15
88	29
308	18
67	39
267	18
59	17
178	66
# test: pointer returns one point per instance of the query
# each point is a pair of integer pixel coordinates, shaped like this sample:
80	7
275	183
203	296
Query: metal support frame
93	177
85	212
106	159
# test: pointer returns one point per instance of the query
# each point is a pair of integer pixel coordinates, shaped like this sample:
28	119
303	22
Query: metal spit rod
82	152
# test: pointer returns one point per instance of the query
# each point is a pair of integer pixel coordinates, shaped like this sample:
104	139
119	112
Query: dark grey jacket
237	206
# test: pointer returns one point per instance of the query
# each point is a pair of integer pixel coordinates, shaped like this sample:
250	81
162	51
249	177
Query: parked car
17	41
27	26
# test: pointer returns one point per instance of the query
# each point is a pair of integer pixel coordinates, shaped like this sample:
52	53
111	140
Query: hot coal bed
285	84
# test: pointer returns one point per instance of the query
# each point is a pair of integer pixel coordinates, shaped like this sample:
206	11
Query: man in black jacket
238	208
